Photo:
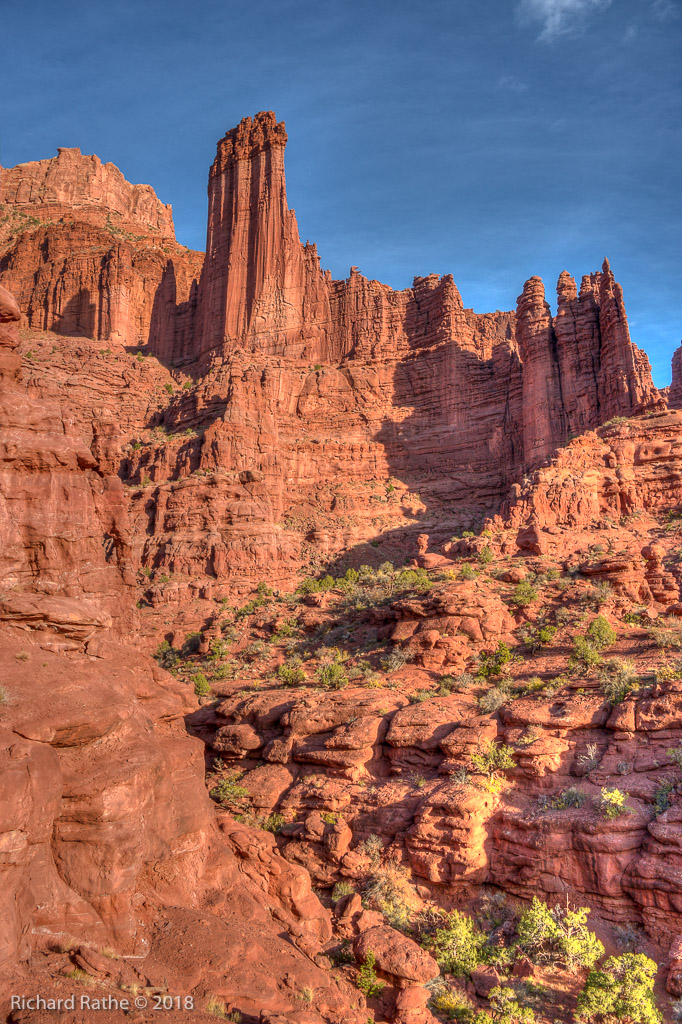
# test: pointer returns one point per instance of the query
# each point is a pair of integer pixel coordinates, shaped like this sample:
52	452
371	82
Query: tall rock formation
88	254
675	392
260	285
73	184
328	383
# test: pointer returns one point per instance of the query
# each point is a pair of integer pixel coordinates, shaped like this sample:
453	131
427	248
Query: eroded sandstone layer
178	429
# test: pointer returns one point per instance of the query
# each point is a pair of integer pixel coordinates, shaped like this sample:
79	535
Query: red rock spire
257	276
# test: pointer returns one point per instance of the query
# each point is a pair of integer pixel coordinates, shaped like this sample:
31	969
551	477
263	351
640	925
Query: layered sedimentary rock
299	390
88	254
74	184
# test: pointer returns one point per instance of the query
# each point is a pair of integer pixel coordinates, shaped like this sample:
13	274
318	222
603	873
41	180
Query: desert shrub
675	755
666	638
341	889
332	675
662	797
457	946
191	644
506	1009
228	790
274	822
621	990
534	685
395	660
618	679
600	633
291	672
585	655
419	696
367	980
558	935
372	847
571	797
524	594
467	572
590	759
390	891
600	594
166	655
449	684
202	687
493	759
493	663
611	802
451	1004
492	700
485	556
535	637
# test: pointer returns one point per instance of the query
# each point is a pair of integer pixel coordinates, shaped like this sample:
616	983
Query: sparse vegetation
622	989
611	802
367	981
524	594
558	935
228	791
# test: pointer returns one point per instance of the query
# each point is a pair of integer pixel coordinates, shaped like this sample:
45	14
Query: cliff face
88	254
73	184
294	377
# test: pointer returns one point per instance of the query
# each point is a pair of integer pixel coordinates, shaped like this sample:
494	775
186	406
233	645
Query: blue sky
493	139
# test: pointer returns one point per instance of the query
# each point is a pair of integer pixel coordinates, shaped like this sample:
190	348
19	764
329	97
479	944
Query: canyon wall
314	388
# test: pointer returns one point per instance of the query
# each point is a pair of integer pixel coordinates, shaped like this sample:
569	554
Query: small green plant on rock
166	655
342	889
291	673
618	679
611	802
524	594
228	790
202	687
367	981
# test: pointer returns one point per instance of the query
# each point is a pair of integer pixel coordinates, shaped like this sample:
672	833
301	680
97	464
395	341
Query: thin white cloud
664	10
630	33
512	83
561	17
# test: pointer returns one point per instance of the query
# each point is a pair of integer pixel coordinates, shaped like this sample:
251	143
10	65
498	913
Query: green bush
166	655
467	572
492	663
621	990
332	676
507	1009
559	936
485	556
202	687
228	790
585	655
618	679
492	700
291	672
493	758
274	822
524	594
342	889
458	947
600	633
367	981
